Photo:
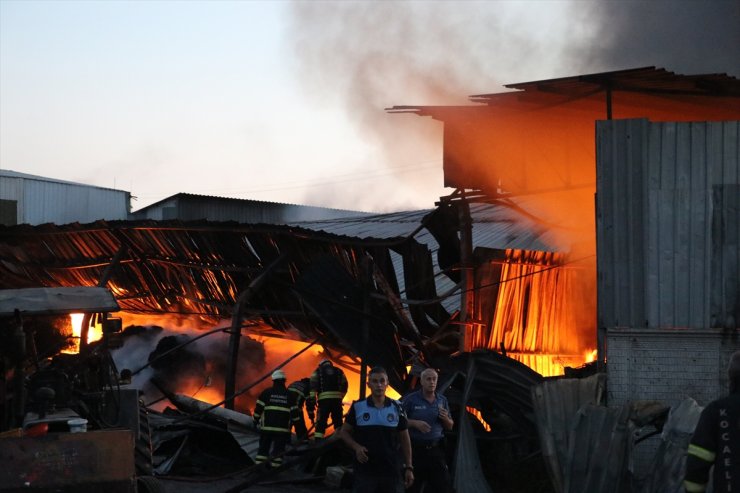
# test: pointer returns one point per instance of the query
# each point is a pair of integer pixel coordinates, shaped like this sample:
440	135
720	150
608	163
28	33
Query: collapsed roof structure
321	280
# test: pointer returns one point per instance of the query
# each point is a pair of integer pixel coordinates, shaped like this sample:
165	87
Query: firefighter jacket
273	411
328	382
299	391
716	442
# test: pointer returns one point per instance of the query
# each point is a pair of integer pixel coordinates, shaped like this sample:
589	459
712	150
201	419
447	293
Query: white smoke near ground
196	368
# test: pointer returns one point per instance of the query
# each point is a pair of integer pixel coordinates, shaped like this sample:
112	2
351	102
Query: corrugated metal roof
494	226
26	176
200	267
213	198
645	79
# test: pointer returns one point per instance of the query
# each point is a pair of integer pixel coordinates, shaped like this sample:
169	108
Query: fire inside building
592	235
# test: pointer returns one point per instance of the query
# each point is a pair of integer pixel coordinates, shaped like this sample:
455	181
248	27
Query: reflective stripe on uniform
275	428
692	487
331	394
277	408
702	453
293	389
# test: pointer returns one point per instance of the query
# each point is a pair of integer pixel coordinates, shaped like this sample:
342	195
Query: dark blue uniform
376	428
274	415
430	464
328	387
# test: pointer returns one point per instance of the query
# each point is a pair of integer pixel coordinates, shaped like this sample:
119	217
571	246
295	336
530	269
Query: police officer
429	415
273	415
328	387
298	394
375	430
716	441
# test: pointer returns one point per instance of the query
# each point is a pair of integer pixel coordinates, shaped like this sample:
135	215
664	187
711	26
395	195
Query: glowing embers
479	416
95	332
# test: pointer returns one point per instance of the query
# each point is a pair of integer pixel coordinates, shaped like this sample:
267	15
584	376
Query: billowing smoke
683	36
196	369
368	56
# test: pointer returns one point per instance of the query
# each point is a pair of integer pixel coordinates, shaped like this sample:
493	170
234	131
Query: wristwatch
408	468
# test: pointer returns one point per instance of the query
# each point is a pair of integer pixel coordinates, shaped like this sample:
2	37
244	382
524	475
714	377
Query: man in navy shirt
374	430
428	415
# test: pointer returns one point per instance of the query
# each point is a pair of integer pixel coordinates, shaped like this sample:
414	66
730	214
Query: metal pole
366	279
467	296
236	328
107	273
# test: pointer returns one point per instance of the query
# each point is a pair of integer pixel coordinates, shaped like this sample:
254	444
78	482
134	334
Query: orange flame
479	416
591	355
95	332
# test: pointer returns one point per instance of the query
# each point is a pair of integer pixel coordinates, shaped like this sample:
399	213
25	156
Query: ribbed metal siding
668	223
42	201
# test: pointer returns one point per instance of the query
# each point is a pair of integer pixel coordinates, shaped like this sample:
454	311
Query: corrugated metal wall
41	201
668	224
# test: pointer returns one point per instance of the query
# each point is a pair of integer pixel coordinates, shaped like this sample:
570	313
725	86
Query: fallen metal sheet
502	381
59	460
202	445
586	446
599	446
556	406
468	473
669	463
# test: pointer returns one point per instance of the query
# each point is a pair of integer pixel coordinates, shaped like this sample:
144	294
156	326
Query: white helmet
278	375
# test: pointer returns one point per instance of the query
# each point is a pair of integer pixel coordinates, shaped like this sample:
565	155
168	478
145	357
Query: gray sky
284	101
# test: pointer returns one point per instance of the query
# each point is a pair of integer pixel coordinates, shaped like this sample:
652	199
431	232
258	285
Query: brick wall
668	365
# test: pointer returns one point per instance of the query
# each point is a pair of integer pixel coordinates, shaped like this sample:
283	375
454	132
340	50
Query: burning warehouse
497	286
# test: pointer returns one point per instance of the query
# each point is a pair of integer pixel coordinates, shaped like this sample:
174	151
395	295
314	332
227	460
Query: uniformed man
298	395
328	388
375	429
429	415
716	441
273	415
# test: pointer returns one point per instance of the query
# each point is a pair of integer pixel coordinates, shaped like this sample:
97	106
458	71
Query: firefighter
273	416
328	387
298	394
716	441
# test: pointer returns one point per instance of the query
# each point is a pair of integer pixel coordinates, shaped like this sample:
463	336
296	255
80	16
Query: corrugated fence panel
668	224
620	214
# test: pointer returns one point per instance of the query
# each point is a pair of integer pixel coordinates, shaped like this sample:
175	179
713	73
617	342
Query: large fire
542	313
535	151
210	387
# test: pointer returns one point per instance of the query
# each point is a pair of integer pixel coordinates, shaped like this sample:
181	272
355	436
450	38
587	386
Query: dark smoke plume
683	36
367	56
